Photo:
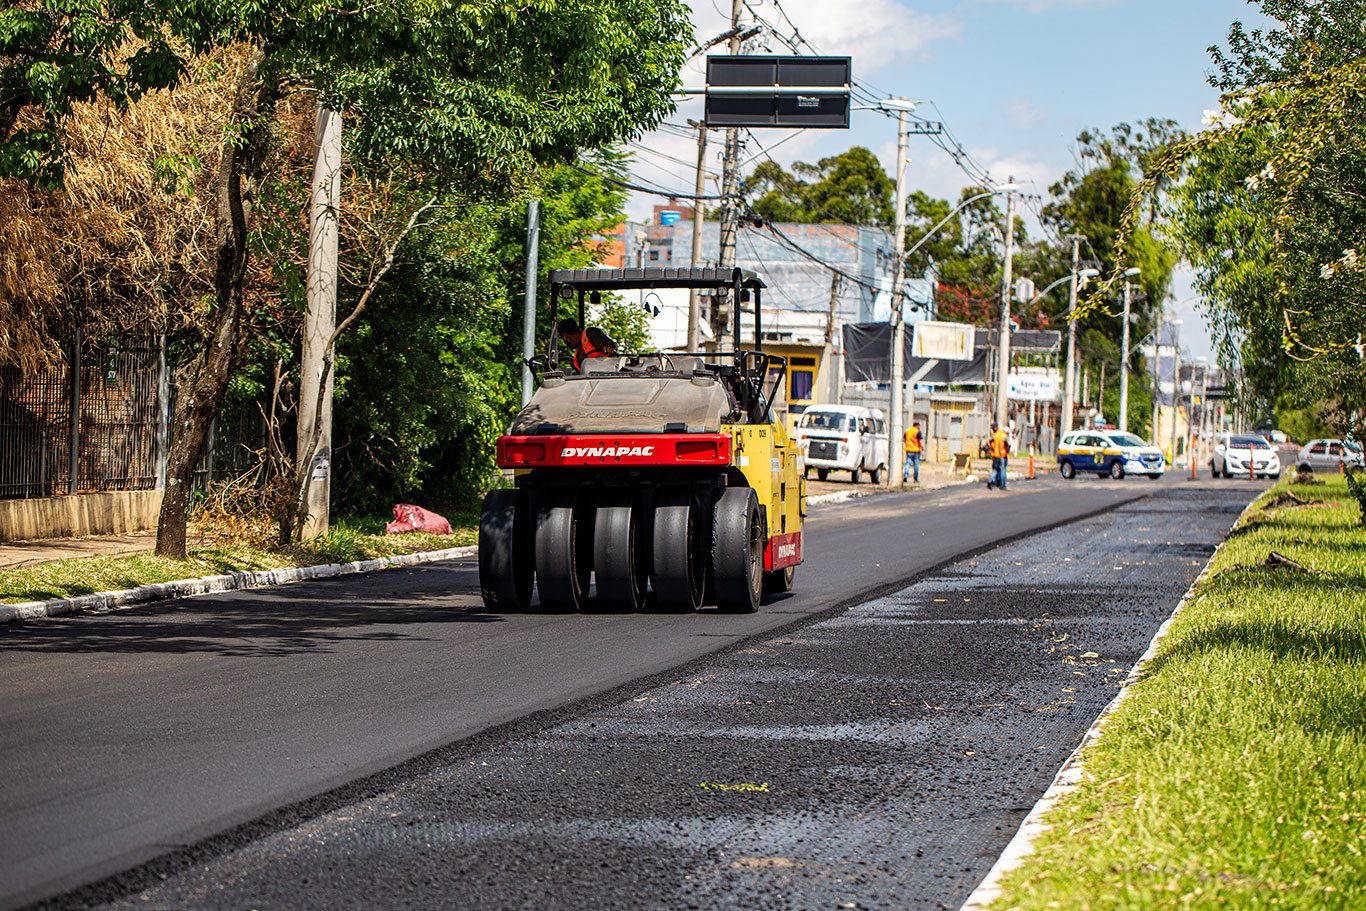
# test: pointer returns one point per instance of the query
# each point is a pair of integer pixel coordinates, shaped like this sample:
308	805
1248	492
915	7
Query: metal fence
99	426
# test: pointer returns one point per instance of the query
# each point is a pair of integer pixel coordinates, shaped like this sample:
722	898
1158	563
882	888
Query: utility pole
730	185
533	249
695	299
833	343
1176	389
1157	372
1003	355
1069	386
1124	364
315	404
896	444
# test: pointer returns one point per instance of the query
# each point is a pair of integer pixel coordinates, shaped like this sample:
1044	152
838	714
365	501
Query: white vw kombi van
843	438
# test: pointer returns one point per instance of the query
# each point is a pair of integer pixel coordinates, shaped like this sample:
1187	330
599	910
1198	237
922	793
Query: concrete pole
1124	363
896	443
694	298
833	344
1157	374
1069	386
533	251
1176	387
1003	356
730	214
320	323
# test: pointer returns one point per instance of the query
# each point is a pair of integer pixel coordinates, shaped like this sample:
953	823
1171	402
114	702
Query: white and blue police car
1108	452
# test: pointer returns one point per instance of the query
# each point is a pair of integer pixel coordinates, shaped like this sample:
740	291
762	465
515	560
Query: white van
843	438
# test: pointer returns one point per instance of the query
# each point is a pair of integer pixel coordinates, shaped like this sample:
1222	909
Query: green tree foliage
466	95
433	376
964	254
56	55
1270	211
850	188
1093	201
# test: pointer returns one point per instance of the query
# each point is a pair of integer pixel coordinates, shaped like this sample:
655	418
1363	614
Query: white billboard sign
944	341
1034	387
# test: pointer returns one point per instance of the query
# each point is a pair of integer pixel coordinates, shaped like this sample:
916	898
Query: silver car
1239	455
1328	455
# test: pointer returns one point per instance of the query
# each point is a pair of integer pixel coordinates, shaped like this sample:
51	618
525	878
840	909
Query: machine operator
585	343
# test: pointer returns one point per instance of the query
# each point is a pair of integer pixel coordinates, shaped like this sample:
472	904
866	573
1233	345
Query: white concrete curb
103	602
1070	775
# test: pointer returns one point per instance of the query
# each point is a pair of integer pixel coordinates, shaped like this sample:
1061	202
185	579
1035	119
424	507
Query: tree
850	188
474	94
434	376
1270	209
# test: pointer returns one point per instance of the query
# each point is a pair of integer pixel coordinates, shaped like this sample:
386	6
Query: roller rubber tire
680	564
563	564
505	558
737	551
778	581
620	552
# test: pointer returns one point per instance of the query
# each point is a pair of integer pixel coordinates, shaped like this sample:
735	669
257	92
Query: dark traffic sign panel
802	92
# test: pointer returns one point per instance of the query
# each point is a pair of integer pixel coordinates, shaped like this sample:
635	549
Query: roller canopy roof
624	279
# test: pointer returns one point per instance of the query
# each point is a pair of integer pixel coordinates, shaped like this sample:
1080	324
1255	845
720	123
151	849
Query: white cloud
1043	6
1025	114
876	33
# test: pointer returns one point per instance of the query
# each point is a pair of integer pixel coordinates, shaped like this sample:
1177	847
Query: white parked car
1328	455
843	438
1238	455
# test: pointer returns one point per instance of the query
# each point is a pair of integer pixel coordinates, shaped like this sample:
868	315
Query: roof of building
624	279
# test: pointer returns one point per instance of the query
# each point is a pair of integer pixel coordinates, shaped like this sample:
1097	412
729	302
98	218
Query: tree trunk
203	383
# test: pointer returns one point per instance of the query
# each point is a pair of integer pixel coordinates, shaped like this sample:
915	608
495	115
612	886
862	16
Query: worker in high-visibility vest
585	343
999	446
912	454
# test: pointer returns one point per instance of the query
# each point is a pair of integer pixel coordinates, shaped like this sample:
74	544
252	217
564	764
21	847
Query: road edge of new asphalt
1069	776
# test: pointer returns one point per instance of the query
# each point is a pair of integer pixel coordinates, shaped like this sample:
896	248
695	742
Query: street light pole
1003	354
1124	355
1069	391
699	187
1176	381
895	441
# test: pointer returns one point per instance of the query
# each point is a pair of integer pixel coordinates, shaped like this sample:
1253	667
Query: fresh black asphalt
883	733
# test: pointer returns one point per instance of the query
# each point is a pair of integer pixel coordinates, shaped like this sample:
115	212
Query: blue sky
1014	81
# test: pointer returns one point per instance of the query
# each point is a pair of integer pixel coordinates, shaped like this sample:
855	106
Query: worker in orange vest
585	343
912	453
999	446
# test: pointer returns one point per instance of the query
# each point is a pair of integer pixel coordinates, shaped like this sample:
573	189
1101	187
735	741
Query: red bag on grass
414	518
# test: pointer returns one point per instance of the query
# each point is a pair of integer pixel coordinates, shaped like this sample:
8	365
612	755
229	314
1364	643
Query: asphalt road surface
383	741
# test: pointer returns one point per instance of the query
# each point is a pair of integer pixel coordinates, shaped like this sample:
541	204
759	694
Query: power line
654	191
789	242
649	151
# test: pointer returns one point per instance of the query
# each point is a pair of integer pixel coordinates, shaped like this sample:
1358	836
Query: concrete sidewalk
15	554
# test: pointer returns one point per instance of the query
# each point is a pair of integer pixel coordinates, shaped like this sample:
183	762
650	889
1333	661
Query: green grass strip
347	541
1235	774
